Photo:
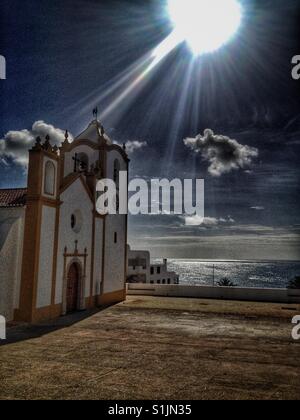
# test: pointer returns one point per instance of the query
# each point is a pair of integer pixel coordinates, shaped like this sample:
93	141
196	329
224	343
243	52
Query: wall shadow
22	332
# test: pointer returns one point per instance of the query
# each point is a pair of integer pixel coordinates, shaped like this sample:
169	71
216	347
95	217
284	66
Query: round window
76	221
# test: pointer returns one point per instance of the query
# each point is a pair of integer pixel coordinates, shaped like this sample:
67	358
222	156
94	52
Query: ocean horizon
243	273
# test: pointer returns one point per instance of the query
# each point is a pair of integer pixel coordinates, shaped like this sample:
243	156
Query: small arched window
49	183
84	162
117	168
73	221
81	162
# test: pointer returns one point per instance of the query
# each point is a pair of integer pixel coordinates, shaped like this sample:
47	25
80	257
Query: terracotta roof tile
15	197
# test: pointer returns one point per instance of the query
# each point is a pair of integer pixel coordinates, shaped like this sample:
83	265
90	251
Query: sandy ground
156	348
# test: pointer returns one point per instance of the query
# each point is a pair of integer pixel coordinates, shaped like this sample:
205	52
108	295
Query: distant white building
141	270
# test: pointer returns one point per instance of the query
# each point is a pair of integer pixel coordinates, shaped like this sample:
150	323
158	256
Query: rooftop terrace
157	348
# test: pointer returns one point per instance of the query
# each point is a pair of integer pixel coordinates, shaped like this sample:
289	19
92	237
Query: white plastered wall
98	257
46	257
141	255
11	249
114	271
75	198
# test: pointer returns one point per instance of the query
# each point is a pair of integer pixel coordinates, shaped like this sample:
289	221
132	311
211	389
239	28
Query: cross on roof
95	112
78	163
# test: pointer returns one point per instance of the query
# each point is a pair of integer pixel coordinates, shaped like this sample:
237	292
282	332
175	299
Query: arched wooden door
73	289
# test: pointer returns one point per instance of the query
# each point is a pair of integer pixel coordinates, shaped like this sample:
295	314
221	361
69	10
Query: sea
261	274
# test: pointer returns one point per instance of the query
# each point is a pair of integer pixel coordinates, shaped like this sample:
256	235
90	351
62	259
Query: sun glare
205	25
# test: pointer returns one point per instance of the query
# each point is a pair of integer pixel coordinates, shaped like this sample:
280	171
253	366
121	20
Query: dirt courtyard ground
156	348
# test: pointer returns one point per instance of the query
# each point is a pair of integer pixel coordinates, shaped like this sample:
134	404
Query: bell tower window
49	180
117	168
81	162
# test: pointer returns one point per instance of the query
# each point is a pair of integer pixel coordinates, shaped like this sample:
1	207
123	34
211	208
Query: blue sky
64	58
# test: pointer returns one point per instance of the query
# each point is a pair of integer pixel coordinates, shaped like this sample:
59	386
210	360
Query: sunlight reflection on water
244	274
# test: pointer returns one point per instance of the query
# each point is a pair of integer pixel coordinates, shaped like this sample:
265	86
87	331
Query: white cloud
207	221
223	154
134	145
258	208
15	144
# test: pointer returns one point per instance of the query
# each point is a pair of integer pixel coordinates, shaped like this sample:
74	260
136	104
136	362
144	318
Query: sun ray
118	95
155	57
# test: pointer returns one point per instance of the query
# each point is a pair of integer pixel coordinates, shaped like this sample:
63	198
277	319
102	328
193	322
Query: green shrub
225	283
295	283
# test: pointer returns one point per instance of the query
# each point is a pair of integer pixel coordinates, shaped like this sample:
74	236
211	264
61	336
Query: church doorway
73	289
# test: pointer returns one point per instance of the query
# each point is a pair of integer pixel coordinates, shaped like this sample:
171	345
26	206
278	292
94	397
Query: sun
206	25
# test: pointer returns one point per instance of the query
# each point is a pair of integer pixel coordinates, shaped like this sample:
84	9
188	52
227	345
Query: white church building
57	254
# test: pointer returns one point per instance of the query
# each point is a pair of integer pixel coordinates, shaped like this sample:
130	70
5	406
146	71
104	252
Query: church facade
57	254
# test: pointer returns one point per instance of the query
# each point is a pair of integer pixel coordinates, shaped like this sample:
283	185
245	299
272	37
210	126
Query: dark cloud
222	153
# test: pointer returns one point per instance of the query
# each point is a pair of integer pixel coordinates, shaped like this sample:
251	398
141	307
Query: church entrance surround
73	288
74	280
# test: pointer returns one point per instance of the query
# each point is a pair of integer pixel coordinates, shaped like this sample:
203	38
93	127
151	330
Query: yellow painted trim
113	297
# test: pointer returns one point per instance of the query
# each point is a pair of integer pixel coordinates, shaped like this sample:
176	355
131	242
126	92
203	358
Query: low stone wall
208	292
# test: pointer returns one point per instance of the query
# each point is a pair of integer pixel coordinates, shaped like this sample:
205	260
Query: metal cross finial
79	164
95	113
